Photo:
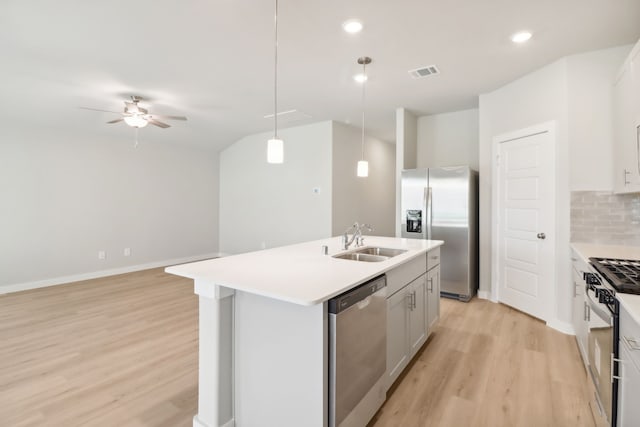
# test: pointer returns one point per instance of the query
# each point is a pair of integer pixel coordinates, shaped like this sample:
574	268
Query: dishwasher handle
358	294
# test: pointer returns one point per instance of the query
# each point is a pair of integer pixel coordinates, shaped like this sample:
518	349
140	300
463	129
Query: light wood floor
122	351
119	351
488	365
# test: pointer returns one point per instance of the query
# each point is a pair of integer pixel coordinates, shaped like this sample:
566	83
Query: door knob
542	236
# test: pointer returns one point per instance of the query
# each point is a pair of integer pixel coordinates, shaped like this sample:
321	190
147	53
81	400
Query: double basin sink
370	254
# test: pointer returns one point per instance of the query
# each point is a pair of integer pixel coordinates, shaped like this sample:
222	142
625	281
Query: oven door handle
595	306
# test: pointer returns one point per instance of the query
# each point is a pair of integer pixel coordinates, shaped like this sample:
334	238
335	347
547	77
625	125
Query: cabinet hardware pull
613	362
638	147
626	172
632	343
414	299
431	282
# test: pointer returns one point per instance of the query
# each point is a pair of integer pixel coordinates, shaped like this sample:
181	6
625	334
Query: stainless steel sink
371	254
386	252
361	257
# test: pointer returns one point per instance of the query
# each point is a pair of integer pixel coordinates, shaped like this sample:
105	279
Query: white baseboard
197	422
5	289
485	295
564	327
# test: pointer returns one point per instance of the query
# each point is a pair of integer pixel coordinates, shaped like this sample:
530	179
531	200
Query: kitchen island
263	326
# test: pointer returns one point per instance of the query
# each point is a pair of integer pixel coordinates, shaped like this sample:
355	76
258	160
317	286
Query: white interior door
526	222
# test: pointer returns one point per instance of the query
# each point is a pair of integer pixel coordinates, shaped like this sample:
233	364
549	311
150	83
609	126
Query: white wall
406	152
367	200
551	94
67	196
590	92
533	99
448	139
267	205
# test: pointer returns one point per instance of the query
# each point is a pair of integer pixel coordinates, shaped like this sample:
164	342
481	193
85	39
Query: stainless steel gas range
610	276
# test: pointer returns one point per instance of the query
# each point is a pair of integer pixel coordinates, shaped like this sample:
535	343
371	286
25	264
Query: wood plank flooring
123	351
118	351
488	365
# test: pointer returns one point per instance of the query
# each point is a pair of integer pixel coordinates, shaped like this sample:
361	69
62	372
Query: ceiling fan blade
131	107
163	117
115	121
157	123
97	109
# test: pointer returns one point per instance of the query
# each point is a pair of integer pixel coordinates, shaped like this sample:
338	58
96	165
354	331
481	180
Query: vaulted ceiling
213	60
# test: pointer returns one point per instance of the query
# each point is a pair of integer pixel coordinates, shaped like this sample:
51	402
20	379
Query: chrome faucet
357	235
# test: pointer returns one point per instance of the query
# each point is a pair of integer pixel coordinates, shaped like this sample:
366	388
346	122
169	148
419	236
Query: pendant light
363	165
275	146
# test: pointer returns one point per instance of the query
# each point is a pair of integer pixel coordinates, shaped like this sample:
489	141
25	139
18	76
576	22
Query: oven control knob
605	298
591	279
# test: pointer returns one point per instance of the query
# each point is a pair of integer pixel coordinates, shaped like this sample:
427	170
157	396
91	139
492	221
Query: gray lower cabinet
629	388
406	320
413	310
629	383
417	313
397	335
581	312
433	298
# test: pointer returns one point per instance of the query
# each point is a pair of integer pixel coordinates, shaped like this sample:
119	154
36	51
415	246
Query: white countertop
300	273
630	302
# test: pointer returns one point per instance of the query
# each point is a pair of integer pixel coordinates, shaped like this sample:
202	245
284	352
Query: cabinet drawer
400	276
433	258
579	265
630	335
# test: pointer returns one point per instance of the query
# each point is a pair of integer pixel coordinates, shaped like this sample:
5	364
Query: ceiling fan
136	116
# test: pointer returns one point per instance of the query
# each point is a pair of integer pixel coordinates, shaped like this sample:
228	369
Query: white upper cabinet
626	125
635	78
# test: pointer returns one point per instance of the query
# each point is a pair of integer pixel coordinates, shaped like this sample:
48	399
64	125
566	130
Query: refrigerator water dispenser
414	221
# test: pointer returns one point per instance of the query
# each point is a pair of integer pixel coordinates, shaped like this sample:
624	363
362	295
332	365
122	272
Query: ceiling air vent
429	70
290	116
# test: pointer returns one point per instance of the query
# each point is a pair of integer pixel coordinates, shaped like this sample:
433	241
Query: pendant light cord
364	82
275	75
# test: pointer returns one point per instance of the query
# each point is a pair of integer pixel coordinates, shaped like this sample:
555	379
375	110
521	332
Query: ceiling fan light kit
136	121
137	117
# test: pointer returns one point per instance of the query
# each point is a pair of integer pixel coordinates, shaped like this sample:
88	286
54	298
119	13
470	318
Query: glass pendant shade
363	168
136	121
275	151
363	165
275	146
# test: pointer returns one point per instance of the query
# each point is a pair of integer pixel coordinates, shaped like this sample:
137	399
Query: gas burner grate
622	274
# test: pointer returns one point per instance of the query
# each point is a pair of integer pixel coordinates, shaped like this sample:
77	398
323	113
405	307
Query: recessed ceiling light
360	78
352	26
521	37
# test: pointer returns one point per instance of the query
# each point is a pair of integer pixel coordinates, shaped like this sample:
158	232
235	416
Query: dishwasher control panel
353	296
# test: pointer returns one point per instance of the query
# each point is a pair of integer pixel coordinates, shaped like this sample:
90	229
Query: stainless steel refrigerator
442	204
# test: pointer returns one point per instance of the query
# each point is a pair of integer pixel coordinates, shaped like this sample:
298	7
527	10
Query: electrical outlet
127	252
102	255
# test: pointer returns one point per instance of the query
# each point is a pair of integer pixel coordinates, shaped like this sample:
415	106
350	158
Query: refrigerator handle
429	210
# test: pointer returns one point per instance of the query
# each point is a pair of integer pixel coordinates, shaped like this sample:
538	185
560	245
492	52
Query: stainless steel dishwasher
358	353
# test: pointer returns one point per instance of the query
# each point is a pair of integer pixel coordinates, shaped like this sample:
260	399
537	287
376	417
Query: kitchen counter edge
317	278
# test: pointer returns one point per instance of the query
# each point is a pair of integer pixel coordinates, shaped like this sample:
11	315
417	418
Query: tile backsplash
604	217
